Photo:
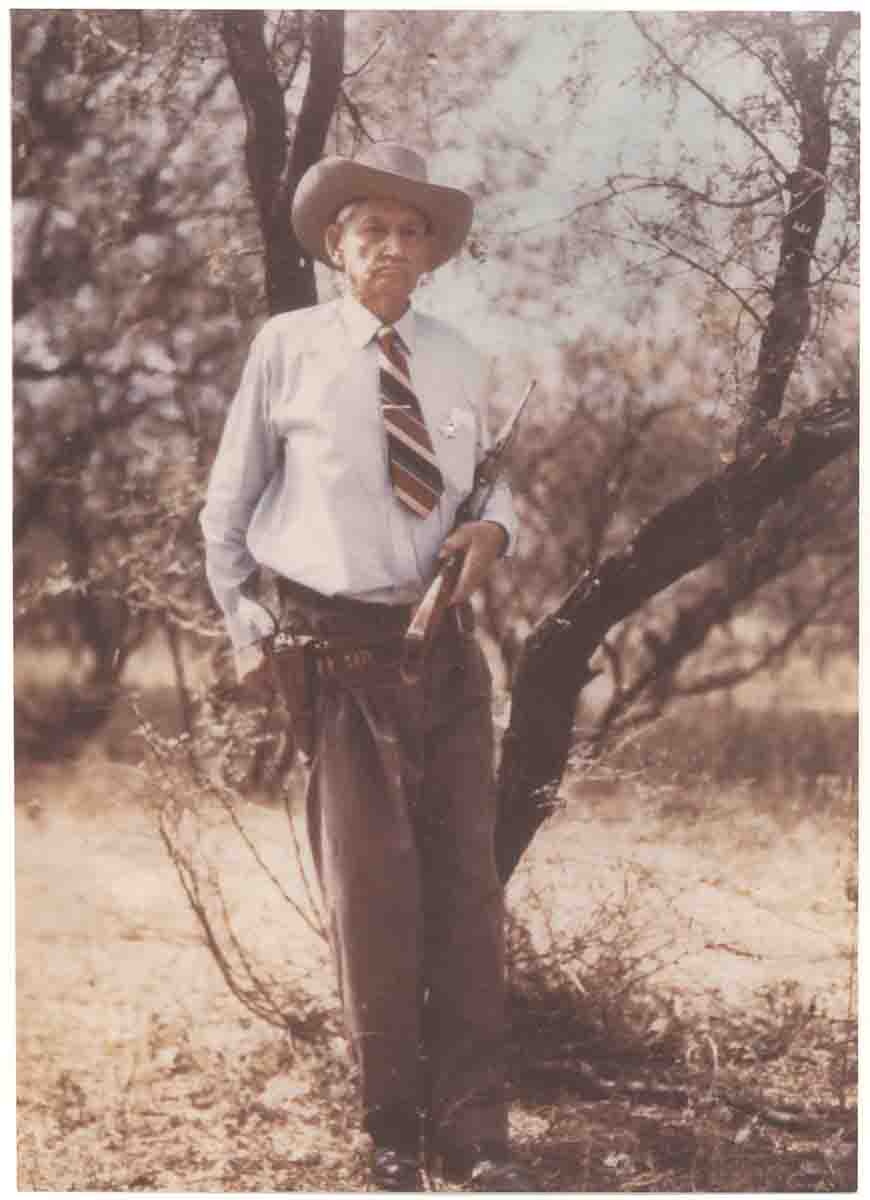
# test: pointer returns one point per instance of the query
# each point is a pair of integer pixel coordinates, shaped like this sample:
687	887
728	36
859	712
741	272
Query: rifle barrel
430	611
511	423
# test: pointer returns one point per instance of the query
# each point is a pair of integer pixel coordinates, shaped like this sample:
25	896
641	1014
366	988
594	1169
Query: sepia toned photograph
435	591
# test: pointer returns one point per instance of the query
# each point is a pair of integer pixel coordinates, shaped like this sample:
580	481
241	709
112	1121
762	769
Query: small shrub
590	996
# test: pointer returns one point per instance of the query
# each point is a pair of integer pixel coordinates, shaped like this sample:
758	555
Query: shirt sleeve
248	456
499	506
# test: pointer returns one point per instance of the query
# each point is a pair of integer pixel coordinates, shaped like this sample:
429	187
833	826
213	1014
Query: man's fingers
456	543
481	542
470	577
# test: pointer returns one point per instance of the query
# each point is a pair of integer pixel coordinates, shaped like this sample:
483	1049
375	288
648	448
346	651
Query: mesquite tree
155	161
136	264
808	71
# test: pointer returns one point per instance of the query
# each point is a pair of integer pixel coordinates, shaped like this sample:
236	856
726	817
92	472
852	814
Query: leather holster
294	672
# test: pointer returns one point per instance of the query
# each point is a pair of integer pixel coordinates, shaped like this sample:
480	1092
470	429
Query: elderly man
349	447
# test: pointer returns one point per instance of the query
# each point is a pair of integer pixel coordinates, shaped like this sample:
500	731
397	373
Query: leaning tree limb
554	665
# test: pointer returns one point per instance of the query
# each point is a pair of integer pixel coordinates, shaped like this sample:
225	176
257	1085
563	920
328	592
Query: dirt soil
138	1070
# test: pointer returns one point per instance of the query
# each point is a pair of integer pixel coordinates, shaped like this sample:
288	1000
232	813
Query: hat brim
334	182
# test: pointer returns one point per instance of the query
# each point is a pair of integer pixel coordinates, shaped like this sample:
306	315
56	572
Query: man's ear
332	241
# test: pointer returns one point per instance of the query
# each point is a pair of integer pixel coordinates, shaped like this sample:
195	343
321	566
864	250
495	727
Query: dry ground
137	1070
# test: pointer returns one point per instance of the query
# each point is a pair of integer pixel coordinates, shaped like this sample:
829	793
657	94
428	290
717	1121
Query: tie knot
390	340
393	348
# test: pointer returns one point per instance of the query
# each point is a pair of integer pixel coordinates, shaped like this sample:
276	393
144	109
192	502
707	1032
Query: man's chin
399	273
389	300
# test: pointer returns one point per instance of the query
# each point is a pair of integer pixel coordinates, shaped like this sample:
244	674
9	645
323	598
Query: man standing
348	449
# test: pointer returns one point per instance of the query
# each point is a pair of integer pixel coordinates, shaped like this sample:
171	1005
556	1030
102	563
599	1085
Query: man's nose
395	242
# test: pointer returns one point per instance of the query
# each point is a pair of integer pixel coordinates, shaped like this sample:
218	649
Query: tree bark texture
553	667
789	319
276	162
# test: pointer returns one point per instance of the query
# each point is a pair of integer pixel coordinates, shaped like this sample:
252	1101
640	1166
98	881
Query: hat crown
383	171
395	158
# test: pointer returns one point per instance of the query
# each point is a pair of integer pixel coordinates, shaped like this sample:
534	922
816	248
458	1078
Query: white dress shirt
300	483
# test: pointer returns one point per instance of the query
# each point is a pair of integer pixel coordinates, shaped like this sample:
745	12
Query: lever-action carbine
430	611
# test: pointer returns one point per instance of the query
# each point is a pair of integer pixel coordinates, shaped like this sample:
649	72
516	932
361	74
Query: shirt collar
362	324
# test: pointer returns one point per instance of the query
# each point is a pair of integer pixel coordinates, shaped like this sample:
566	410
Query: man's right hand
254	673
254	617
253	670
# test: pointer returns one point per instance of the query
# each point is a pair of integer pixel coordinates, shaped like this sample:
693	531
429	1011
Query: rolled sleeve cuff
248	622
241	633
248	659
500	510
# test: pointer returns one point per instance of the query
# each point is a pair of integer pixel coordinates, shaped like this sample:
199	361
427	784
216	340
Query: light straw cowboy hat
386	171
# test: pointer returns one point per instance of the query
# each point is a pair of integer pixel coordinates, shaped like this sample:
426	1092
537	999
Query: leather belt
358	614
347	660
349	641
363	663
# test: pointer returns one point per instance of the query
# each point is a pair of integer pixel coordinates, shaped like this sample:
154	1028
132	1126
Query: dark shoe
500	1175
394	1170
487	1169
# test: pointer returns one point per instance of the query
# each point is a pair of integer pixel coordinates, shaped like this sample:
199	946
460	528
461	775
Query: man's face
383	248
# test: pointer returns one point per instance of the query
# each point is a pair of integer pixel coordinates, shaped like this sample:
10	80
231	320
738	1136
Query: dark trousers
401	812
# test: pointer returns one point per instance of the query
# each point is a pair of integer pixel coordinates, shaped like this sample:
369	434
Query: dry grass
136	1067
690	1029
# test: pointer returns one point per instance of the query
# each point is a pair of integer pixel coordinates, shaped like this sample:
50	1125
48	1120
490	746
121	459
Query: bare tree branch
554	664
721	108
716	277
791	313
640	183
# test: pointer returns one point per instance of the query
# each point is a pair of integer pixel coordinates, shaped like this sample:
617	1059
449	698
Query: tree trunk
273	171
554	664
789	319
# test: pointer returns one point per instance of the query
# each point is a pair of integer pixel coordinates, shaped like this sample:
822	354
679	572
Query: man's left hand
482	542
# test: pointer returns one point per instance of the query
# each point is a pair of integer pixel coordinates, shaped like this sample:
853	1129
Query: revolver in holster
294	671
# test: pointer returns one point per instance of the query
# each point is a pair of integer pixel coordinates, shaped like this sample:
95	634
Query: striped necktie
414	472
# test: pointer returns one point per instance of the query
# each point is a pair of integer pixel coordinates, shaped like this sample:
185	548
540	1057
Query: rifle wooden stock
429	615
430	612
